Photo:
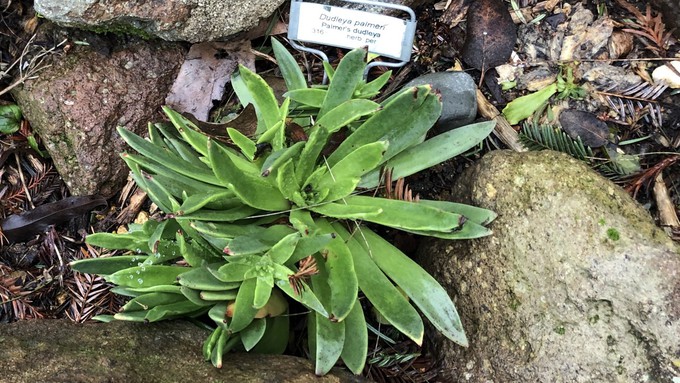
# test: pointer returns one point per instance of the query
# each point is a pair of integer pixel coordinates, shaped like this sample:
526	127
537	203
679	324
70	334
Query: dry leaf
490	35
455	12
246	123
576	123
204	73
20	227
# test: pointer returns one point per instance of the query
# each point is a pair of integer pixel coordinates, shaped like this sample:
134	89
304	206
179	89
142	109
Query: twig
23	182
34	65
503	130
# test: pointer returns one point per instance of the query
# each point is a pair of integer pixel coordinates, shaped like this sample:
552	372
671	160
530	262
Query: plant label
348	28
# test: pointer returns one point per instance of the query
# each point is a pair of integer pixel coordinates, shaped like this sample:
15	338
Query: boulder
188	20
58	351
76	104
576	284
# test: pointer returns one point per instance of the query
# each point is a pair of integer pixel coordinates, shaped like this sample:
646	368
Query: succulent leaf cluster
253	223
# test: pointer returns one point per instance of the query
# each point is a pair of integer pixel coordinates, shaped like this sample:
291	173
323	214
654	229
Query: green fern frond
540	137
536	137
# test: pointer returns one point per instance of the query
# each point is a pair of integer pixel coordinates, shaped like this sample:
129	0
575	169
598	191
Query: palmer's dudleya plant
252	223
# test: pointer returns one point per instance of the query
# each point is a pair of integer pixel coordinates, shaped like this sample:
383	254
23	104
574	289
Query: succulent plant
251	223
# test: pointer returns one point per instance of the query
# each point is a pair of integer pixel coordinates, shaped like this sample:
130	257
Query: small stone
459	97
667	75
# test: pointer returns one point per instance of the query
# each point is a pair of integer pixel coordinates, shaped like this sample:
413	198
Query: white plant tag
348	28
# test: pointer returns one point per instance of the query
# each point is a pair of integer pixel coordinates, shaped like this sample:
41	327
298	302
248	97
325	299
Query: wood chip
667	214
504	131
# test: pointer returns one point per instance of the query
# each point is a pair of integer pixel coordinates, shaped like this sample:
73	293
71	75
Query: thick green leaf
210	342
133	316
355	349
275	338
343	178
153	289
288	66
170	160
136	241
475	214
252	334
333	121
219	296
341	279
309	245
432	300
407	215
432	152
347	76
263	98
329	339
185	151
282	250
372	88
244	143
469	230
263	290
286	180
328	68
10	118
228	215
174	310
403	122
171	180
308	96
201	248
145	276
150	300
523	107
226	230
194	296
253	190
107	265
189	132
199	278
224	200
384	296
244	312
280	157
218	314
346	211
306	297
232	272
218	350
259	242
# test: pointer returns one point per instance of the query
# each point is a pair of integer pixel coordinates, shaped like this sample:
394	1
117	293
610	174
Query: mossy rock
58	351
577	283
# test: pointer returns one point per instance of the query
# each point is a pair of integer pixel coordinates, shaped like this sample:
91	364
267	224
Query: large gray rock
186	20
459	97
77	102
576	284
63	352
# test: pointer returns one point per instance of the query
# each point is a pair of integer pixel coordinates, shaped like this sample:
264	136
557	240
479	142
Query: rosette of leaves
253	222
